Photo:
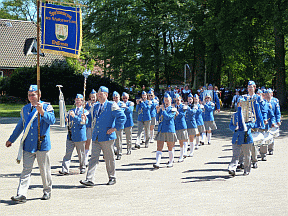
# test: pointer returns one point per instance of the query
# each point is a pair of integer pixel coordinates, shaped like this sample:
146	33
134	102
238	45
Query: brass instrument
248	110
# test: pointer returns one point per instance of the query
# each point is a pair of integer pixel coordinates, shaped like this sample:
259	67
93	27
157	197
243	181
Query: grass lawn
13	110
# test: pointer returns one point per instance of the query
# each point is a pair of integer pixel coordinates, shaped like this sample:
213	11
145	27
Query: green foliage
57	74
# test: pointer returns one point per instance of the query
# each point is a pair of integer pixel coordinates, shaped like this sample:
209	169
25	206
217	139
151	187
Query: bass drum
268	138
257	138
275	131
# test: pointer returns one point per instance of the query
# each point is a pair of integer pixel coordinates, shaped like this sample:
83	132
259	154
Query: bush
57	74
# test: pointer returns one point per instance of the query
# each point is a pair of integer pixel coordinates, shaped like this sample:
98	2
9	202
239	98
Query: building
18	47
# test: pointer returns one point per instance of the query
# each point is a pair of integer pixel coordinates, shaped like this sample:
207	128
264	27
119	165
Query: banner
61	30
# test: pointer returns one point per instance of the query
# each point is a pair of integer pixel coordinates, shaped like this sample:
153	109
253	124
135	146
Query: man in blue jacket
29	143
76	136
143	108
108	117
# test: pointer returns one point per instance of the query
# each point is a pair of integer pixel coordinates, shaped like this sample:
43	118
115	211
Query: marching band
255	125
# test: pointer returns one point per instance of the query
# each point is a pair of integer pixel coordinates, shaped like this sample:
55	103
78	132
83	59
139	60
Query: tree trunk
280	65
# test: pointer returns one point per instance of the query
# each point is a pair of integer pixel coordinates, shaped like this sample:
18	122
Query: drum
274	131
268	138
257	138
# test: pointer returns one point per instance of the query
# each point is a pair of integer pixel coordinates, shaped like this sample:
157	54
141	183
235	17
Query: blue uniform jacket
78	130
263	107
30	143
239	133
208	111
180	122
110	116
166	120
129	114
271	106
153	110
143	109
276	109
191	117
216	100
199	114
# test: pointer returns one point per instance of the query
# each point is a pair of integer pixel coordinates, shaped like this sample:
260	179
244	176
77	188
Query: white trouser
44	167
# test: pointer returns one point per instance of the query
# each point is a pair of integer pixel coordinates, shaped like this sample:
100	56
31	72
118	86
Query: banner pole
38	68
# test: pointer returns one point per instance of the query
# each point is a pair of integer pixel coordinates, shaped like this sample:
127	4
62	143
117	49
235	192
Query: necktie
100	109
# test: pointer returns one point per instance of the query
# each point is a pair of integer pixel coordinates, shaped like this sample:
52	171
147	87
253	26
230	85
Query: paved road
198	186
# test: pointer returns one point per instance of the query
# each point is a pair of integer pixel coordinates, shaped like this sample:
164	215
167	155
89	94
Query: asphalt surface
200	185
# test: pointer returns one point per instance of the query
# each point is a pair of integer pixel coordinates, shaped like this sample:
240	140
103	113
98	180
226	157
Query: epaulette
49	108
115	106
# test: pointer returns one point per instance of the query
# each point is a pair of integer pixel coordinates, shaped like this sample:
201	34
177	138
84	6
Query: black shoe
209	143
112	181
202	143
129	152
254	165
19	198
87	183
241	166
137	146
146	145
118	157
271	152
231	172
46	196
63	173
156	166
264	158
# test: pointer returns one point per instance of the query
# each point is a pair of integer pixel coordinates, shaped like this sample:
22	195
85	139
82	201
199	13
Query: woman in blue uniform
89	106
191	123
155	101
166	130
209	122
180	125
199	119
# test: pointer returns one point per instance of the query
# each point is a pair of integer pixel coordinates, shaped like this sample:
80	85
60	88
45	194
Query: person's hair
35	92
215	87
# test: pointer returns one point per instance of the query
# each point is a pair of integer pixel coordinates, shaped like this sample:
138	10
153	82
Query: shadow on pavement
206	178
12	203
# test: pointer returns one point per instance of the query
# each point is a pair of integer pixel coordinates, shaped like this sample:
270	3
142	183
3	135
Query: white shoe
180	160
191	154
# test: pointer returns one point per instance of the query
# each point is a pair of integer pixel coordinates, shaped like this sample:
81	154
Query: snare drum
257	138
268	138
274	131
